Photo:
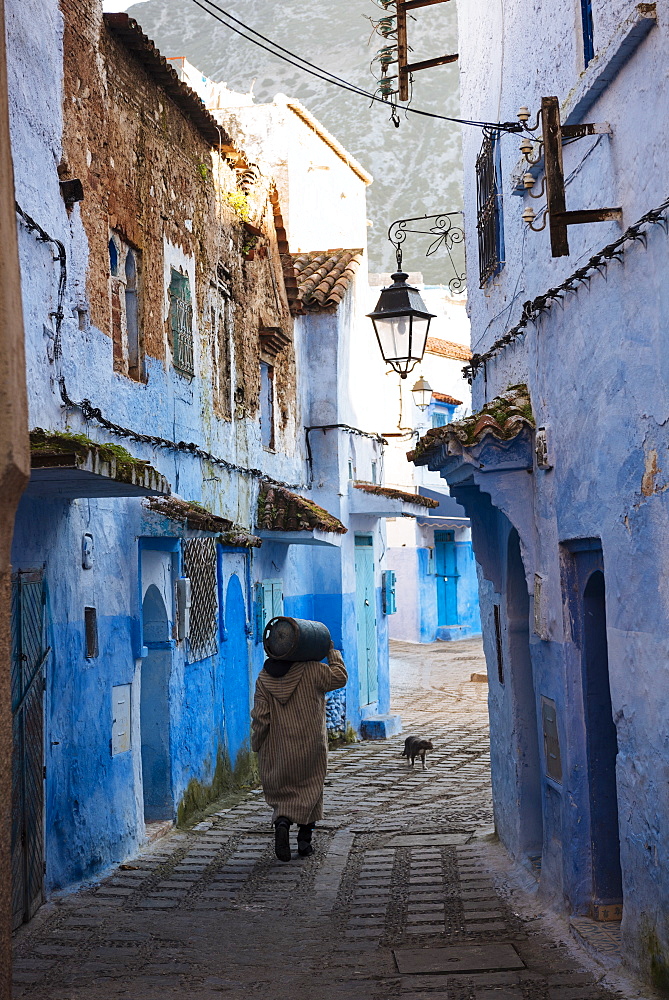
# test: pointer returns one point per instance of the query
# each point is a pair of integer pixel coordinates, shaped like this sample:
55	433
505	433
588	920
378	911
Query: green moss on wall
227	786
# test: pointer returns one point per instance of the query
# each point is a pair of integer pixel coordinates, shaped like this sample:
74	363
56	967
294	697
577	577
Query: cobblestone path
402	868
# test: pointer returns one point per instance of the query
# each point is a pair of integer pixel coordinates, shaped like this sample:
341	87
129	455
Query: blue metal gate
27	688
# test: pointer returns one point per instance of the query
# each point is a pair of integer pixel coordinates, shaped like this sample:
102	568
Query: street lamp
401	323
422	393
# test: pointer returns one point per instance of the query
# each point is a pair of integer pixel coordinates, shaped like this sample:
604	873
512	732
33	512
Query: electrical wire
308	67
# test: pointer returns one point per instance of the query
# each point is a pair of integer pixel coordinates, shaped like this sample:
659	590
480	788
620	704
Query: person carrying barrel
288	733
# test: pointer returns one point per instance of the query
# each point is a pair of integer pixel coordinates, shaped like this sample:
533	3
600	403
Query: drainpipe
14	474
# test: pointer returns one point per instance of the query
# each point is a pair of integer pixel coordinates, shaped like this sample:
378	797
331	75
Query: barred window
125	293
181	322
489	219
200	568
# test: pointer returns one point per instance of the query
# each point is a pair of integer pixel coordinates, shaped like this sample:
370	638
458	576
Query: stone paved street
404	862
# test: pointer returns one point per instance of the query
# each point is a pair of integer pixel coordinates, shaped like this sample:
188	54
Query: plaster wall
596	368
14	471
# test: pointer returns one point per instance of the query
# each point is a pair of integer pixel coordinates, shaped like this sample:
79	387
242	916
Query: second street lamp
422	393
401	323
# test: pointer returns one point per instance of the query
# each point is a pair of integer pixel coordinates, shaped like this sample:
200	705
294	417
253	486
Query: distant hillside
416	168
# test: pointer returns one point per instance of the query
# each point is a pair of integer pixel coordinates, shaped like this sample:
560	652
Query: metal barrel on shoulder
296	639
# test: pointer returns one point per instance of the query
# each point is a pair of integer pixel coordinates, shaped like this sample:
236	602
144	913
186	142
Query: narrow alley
407	894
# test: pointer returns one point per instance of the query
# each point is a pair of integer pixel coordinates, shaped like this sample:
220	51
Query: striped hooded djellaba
288	733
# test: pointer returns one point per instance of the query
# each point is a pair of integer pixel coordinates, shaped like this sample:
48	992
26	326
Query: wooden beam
555	194
402	51
414	4
585	215
429	63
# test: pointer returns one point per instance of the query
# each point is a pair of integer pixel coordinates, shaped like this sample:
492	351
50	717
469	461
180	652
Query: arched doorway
154	709
601	746
524	701
236	681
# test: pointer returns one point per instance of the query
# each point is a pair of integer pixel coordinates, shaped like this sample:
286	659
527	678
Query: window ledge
593	81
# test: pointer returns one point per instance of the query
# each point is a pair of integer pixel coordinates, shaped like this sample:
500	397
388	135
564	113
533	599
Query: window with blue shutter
588	31
388	592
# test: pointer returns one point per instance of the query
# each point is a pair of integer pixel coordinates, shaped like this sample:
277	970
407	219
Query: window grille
181	322
489	222
200	568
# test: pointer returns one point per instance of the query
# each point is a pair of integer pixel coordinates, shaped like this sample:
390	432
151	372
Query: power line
308	67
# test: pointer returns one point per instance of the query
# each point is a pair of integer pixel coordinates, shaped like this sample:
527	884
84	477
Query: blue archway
236	680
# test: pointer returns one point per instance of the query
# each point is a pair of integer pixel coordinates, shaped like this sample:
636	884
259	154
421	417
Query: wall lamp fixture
550	151
401	319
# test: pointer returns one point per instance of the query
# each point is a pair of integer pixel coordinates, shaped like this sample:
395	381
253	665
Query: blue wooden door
446	568
365	608
236	680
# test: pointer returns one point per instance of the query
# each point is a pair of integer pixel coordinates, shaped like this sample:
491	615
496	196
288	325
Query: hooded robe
288	733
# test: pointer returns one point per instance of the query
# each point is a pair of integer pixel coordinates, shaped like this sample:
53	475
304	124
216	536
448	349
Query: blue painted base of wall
448	633
380	727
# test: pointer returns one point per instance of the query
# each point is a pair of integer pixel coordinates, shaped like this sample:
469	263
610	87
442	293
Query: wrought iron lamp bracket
445	235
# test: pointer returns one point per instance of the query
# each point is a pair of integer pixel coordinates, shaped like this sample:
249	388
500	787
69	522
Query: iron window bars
200	568
181	323
488	221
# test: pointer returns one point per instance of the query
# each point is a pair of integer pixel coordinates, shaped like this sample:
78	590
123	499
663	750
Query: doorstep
601	939
154	831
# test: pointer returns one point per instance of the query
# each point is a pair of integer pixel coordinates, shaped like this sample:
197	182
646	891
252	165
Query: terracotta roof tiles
130	33
320	279
503	418
448	349
281	510
443	397
393	494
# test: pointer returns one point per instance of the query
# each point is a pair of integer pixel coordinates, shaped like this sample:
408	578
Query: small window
91	632
181	322
124	265
374	472
267	405
588	31
351	474
440	418
489	201
113	258
221	325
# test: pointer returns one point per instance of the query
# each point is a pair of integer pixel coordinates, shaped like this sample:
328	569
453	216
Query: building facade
196	447
561	467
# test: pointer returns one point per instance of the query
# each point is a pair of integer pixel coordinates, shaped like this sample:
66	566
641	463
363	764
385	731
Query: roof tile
443	397
448	349
281	510
393	494
320	279
504	417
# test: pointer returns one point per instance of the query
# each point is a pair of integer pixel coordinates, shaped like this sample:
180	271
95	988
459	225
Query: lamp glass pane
393	334
420	331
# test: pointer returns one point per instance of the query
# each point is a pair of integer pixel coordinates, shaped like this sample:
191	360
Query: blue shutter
388	590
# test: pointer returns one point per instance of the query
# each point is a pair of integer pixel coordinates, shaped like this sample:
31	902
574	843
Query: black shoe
282	839
304	848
